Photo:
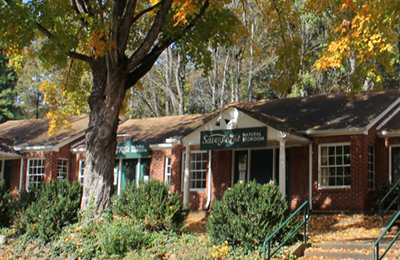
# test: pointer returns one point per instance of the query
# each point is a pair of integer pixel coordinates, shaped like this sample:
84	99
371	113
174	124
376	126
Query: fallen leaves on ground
343	227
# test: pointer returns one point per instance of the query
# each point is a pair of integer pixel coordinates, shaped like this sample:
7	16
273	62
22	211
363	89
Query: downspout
310	175
186	178
209	181
21	177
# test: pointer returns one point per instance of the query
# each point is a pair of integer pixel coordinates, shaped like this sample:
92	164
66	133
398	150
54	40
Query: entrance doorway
261	165
131	170
256	165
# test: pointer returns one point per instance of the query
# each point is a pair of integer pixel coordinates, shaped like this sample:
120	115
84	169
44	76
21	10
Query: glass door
128	172
241	167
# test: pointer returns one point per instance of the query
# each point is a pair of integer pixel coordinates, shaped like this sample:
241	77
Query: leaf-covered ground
343	227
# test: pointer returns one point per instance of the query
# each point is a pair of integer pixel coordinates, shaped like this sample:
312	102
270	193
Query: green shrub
151	204
247	214
121	236
7	206
56	206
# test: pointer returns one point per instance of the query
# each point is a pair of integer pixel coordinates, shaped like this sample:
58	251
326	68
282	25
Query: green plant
120	236
247	214
56	206
151	204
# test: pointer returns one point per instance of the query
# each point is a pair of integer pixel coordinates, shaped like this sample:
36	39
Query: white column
282	168
310	174
186	179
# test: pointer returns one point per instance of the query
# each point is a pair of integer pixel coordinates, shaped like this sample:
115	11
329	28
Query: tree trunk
105	102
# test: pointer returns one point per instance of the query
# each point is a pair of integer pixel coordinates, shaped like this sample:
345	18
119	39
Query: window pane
332	171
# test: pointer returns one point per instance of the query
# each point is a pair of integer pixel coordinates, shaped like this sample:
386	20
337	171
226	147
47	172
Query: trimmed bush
56	206
7	206
151	204
247	214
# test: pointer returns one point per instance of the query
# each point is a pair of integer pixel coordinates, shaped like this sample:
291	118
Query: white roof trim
376	120
384	122
384	133
330	132
156	147
43	148
48	148
69	140
6	156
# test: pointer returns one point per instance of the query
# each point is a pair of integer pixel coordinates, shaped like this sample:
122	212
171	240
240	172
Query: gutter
346	131
386	133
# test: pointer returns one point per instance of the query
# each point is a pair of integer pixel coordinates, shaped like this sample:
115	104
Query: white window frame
191	171
65	165
40	173
81	172
391	161
168	170
371	168
321	166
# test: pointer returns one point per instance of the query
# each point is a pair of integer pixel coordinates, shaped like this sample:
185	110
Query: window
81	171
371	167
198	170
335	165
35	172
62	169
168	169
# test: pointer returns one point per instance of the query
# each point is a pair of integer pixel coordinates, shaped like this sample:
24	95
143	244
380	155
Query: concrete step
343	255
354	249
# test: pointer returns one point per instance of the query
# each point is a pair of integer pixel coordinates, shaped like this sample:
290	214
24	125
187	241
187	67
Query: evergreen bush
247	214
56	206
151	204
7	206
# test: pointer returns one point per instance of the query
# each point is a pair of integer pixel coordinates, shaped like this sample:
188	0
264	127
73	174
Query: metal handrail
375	248
306	216
382	211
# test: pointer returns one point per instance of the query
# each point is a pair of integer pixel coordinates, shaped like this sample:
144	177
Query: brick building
332	150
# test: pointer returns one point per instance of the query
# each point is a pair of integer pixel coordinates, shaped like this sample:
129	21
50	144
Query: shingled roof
33	133
157	130
325	112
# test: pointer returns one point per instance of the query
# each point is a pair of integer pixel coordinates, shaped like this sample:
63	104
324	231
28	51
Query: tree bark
105	102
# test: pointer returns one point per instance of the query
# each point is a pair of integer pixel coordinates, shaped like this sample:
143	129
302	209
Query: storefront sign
136	149
233	138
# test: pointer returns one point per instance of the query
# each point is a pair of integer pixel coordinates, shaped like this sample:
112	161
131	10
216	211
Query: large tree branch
81	6
148	61
151	37
123	32
71	54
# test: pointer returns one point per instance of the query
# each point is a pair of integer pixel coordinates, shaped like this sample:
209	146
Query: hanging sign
135	149
233	138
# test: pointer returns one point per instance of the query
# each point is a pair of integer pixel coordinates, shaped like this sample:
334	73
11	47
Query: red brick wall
299	176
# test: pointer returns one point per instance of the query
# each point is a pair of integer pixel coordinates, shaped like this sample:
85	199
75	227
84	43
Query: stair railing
375	248
382	209
306	217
